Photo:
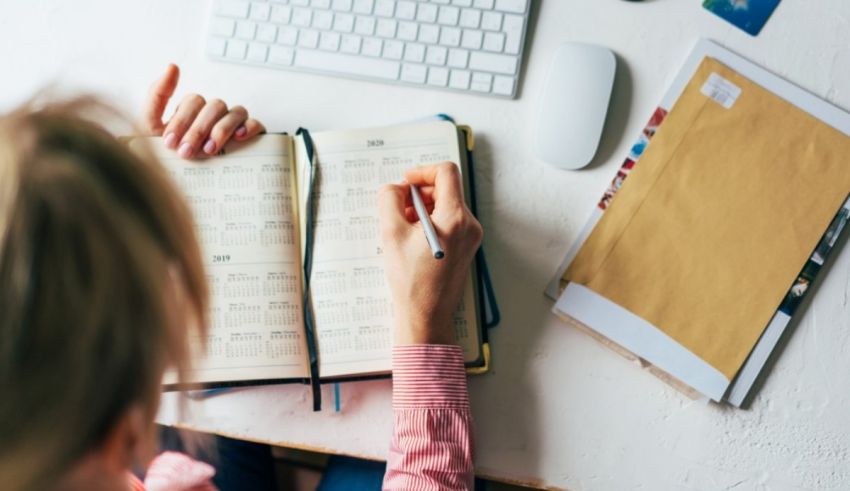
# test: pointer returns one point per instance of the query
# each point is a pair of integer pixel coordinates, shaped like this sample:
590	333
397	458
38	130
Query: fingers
445	178
224	129
427	194
411	215
198	133
158	97
391	209
187	111
250	129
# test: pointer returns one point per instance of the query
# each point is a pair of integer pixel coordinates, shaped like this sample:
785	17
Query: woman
100	273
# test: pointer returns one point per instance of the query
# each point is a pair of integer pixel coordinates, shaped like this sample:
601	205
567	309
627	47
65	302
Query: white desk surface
557	409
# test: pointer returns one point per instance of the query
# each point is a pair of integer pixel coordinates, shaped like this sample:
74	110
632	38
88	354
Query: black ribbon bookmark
309	323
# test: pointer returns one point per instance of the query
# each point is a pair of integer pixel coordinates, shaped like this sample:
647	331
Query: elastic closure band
309	322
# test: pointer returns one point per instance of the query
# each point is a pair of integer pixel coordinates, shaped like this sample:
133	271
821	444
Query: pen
427	226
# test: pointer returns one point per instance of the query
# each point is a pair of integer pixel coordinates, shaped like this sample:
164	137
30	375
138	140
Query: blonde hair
95	243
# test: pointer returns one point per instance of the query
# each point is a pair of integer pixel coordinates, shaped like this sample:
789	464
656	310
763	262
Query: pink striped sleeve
135	484
431	447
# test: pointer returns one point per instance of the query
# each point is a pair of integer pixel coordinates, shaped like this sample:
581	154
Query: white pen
427	226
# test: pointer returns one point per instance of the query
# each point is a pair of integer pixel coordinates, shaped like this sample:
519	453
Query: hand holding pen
427	290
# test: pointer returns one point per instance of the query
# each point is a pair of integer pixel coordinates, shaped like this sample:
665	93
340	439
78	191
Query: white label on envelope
721	90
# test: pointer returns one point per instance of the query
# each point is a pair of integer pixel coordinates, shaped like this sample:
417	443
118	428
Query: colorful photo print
799	288
832	233
654	122
635	153
748	15
613	188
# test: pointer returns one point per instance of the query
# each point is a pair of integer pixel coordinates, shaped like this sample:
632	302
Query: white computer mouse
574	105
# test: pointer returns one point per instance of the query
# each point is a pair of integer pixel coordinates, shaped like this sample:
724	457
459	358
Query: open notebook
697	255
250	204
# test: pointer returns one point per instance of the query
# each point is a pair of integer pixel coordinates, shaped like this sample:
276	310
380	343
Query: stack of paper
722	217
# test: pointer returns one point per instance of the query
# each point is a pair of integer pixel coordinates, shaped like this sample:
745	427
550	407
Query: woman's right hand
426	291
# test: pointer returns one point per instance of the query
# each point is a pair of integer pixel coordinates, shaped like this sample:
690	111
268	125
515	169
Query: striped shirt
431	446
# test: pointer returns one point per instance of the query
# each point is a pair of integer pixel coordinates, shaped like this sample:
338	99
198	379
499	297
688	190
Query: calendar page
244	205
351	299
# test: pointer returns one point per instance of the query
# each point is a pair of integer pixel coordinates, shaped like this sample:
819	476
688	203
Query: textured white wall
557	408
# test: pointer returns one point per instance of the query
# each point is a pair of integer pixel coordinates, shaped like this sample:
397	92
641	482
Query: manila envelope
719	216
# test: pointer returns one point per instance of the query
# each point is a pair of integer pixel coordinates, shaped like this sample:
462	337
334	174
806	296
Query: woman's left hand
198	125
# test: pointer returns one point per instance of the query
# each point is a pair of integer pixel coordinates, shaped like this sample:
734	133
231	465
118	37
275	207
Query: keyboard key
301	3
459	79
351	44
363	6
223	27
458	58
483	4
513	6
489	62
450	36
233	8
462	3
301	17
384	8
354	65
438	76
236	49
405	9
386	28
281	14
472	39
329	41
344	23
513	30
494	41
245	30
429	33
407	30
308	38
364	26
372	47
318	4
436	55
216	46
470	18
267	33
393	50
427	13
257	52
279	55
260	11
413	73
323	19
492	21
343	5
481	82
503	85
448	16
414	52
287	35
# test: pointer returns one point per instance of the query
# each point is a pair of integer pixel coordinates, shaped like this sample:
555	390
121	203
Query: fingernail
171	140
209	147
185	150
241	131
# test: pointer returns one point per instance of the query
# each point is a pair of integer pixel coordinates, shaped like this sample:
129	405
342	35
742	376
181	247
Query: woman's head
100	281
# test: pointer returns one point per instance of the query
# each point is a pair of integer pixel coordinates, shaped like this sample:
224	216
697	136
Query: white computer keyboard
467	45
